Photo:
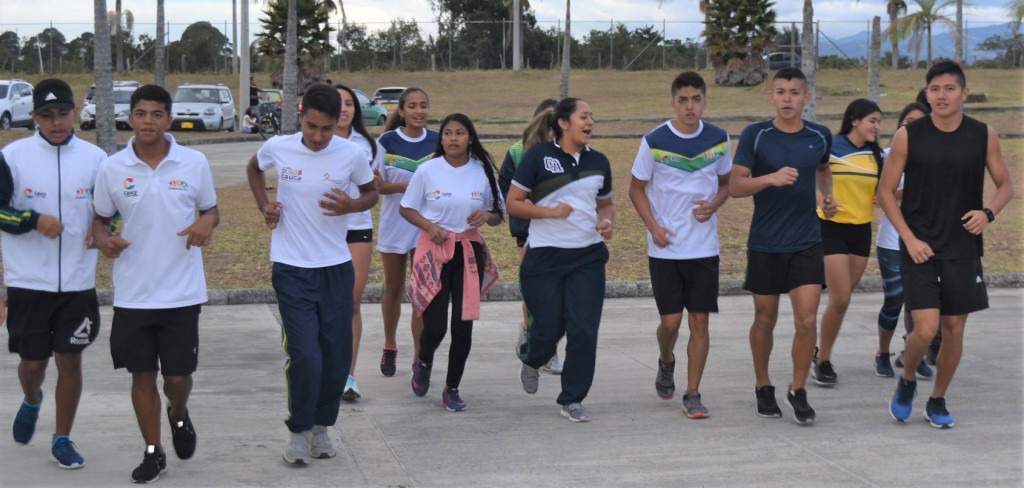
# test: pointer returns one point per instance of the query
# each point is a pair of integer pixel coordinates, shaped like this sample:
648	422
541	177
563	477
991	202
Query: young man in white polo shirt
45	213
680	180
157	186
312	272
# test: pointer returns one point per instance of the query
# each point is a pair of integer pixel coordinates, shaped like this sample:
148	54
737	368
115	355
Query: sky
839	18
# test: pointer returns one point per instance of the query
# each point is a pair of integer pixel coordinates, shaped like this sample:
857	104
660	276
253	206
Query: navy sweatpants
564	292
316	334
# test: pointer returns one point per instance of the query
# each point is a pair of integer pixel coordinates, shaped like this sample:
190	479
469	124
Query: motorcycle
270	118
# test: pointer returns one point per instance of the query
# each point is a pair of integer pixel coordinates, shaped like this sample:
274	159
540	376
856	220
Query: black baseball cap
52	93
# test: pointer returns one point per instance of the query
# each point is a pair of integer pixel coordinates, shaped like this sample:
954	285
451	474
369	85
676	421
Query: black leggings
435	317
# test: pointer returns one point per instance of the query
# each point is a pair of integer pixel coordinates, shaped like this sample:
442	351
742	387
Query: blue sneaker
936	413
64	454
420	377
452	401
25	421
903	400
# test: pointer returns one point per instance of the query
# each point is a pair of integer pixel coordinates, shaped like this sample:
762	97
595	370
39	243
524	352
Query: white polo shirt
156	271
305	237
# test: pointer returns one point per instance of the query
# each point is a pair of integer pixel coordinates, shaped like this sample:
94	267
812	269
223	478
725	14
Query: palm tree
894	8
918	25
809	61
1016	8
704	6
958	35
160	64
105	137
738	33
563	88
117	36
290	82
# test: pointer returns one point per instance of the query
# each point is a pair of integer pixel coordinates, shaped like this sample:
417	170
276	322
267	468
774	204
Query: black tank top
945	178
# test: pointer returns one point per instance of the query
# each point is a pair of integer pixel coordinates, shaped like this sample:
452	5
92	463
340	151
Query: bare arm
605	216
519	206
642	204
975	221
437	234
258	185
742	184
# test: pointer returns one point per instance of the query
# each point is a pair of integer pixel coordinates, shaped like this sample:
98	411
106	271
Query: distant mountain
856	46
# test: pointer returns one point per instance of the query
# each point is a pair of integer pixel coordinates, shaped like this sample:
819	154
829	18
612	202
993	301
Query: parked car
783	59
16	104
387	97
373	112
122	104
203	107
92	89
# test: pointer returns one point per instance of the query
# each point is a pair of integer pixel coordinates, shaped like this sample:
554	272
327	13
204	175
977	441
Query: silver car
122	104
203	107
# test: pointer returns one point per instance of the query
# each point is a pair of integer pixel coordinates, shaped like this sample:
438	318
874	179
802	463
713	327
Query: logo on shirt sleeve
553	165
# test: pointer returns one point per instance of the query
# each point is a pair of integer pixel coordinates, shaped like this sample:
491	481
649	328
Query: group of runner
813	198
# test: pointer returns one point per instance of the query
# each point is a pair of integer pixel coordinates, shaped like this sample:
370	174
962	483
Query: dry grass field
626	105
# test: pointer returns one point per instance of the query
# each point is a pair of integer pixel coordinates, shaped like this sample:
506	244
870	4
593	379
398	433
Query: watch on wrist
988	212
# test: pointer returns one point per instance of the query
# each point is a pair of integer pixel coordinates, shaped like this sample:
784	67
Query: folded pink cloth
426	272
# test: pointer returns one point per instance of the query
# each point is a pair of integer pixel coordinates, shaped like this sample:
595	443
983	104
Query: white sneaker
554	365
320	445
298	448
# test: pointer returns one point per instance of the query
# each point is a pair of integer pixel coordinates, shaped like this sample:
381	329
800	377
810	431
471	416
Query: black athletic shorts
954	286
684	283
141	337
775	273
852	239
359	235
41	323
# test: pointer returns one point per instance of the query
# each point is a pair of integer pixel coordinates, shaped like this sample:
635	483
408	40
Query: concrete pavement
509	438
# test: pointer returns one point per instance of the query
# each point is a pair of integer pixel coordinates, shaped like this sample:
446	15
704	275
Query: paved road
228	161
509	438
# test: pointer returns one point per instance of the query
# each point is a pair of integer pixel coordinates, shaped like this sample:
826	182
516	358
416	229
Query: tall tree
958	34
313	36
809	61
104	76
1016	11
563	85
894	8
289	120
919	24
10	46
738	33
117	36
160	63
874	61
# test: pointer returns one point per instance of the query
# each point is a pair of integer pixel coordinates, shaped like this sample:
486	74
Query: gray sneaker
529	378
554	365
320	445
693	407
664	382
576	412
298	448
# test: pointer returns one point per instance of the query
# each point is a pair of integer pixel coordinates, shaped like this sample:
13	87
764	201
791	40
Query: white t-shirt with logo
156	270
364	220
446	195
305	237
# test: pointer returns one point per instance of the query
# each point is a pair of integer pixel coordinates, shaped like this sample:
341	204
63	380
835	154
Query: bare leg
926	324
884	340
31	375
949	353
842	273
177	389
766	313
146	400
391	302
697	349
69	390
805	301
361	253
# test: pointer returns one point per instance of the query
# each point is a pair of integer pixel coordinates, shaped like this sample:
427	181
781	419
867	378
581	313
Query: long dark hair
563	111
856	110
477	151
357	119
394	120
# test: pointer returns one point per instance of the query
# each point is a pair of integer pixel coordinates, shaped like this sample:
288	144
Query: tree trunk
958	36
929	46
289	101
563	88
809	61
875	61
159	60
117	39
748	71
517	37
104	79
895	40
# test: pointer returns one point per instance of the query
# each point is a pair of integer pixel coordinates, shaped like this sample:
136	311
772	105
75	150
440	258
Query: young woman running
888	253
360	226
536	132
565	189
856	162
449	198
408	144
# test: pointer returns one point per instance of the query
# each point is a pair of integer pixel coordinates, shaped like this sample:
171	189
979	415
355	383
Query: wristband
988	213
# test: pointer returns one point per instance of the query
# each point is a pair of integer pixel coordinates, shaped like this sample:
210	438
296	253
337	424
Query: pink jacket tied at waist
426	272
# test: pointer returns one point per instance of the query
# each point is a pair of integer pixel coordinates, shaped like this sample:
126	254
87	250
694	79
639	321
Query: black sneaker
387	362
802	412
153	464
766	405
882	367
664	381
183	433
825	374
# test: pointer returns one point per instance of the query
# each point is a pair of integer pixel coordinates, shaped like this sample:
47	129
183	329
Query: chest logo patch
553	165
